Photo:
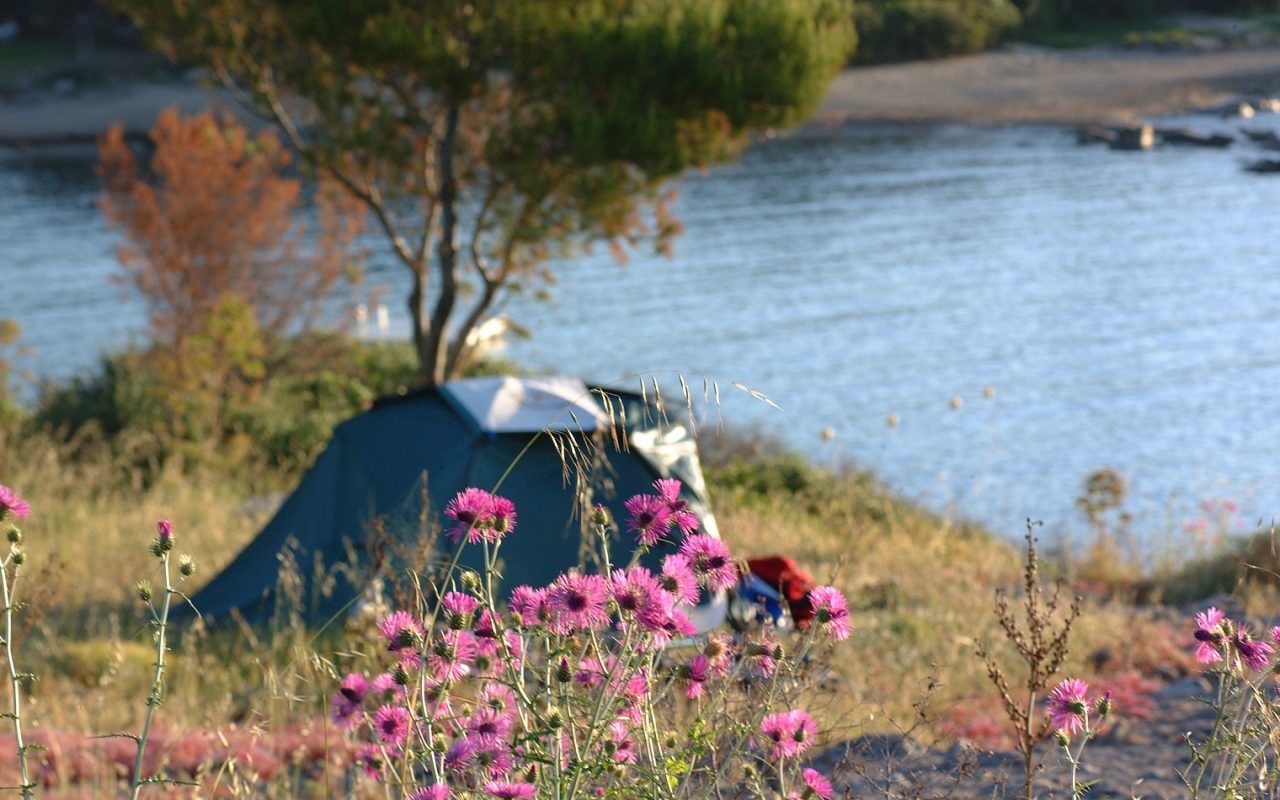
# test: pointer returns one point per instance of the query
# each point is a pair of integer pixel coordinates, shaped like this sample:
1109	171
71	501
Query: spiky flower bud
600	516
17	556
1061	738
1104	706
555	720
186	566
400	675
470	580
13	534
144	591
564	673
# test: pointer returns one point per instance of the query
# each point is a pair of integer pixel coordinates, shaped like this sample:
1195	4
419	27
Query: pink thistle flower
676	625
710	560
669	490
487	721
831	611
498	698
164	530
384	684
481	516
401	630
679	579
436	791
531	605
791	732
697	673
346	714
369	757
392	724
11	503
1067	706
624	747
637	594
355	687
458	756
1256	655
1210	636
451	656
650	518
490	756
458	609
817	784
579	601
762	656
506	790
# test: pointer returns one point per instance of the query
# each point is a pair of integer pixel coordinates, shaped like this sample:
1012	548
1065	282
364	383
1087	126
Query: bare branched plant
1039	635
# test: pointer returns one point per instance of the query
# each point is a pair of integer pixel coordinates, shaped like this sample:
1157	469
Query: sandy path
1018	85
1036	85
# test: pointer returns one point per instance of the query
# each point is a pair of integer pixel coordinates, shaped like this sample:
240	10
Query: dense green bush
905	30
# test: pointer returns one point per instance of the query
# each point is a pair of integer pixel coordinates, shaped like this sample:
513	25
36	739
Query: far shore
1016	85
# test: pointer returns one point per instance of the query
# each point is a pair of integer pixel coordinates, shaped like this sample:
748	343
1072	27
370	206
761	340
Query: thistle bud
1061	738
555	720
1104	705
600	516
186	566
400	675
470	580
564	673
144	591
164	538
13	534
17	556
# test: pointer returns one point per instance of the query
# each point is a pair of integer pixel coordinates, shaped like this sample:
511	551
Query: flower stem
15	680
154	699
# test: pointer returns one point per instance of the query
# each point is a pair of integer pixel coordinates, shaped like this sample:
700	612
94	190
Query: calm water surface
1125	307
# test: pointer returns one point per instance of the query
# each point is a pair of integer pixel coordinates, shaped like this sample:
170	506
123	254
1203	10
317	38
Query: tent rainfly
498	434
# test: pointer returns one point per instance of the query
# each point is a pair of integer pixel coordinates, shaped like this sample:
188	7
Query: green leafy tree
487	137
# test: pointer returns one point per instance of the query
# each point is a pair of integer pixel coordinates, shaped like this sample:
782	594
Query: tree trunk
433	363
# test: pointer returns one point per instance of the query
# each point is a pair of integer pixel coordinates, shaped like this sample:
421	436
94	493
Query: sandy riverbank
1021	84
1037	85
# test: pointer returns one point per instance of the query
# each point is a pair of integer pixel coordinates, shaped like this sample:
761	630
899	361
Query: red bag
791	582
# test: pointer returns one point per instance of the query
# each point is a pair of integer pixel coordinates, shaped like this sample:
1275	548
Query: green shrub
905	30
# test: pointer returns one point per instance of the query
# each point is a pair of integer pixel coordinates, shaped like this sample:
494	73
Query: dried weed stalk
1040	638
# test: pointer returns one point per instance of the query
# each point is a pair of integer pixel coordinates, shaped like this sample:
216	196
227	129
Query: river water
1122	309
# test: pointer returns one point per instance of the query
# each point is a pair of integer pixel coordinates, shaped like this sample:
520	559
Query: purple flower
650	518
10	503
678	579
355	688
436	791
401	630
1210	636
451	656
1067	706
639	597
697	673
817	784
831	612
506	790
790	732
458	608
579	601
669	490
531	605
392	724
480	516
710	560
1255	655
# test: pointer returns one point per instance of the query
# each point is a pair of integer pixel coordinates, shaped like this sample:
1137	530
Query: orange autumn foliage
214	219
